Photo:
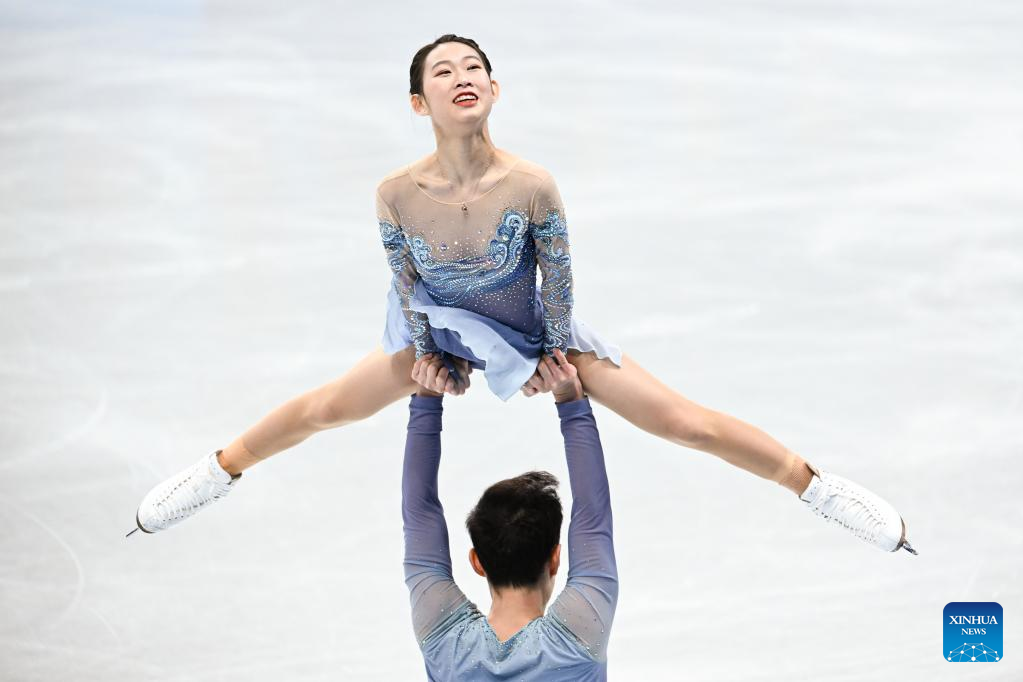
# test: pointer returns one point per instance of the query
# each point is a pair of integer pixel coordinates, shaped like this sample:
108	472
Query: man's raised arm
432	590
587	605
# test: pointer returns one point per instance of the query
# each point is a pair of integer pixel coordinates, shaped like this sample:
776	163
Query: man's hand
561	377
434	379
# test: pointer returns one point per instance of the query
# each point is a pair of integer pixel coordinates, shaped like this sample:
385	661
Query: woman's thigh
375	382
641	398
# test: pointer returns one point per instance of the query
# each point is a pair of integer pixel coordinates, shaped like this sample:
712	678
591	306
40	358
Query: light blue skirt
507	356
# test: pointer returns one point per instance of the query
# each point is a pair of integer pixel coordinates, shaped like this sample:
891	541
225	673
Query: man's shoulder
461	621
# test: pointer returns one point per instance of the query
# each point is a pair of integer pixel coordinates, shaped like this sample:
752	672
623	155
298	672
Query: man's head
515	528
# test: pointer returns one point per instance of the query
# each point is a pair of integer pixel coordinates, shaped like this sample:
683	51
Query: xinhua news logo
973	632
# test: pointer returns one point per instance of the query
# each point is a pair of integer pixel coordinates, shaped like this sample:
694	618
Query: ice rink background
804	214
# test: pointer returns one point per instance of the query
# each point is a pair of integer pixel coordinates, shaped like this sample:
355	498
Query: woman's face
452	70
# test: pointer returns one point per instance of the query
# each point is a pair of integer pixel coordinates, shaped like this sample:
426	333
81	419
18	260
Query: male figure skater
515	528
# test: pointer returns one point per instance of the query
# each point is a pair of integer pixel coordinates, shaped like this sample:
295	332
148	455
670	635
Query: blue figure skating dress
465	280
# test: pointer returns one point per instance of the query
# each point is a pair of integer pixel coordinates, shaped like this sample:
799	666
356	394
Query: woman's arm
399	257
550	237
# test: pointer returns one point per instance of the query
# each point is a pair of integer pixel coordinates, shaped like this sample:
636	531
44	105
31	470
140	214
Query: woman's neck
462	160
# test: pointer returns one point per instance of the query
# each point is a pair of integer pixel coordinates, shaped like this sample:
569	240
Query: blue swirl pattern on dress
509	257
509	263
499	283
556	290
403	282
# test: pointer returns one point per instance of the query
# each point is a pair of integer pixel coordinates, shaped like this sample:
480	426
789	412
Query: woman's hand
536	383
431	374
560	377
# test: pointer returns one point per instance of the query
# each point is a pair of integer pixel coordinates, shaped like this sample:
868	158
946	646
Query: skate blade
903	542
138	527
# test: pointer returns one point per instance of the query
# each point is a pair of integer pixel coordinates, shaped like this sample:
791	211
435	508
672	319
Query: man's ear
555	559
474	559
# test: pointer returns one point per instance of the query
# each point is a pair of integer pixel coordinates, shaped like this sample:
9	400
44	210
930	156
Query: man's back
467	648
457	641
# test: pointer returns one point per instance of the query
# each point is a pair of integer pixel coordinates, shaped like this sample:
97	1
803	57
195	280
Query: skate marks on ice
187	225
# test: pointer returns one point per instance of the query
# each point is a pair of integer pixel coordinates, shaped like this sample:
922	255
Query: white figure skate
183	494
861	512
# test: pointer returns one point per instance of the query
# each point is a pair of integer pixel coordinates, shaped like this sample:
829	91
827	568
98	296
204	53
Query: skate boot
183	494
861	512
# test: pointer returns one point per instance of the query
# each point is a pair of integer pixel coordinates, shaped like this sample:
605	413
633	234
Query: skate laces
197	489
845	507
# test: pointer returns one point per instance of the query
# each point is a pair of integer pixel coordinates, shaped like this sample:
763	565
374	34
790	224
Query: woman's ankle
236	458
798	476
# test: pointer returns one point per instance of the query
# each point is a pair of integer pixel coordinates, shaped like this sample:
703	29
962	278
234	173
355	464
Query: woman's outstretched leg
639	397
373	383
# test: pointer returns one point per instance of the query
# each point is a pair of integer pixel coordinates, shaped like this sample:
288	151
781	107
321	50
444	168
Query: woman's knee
346	405
328	409
697	424
377	381
689	424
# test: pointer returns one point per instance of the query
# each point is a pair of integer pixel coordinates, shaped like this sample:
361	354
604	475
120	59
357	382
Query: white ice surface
804	214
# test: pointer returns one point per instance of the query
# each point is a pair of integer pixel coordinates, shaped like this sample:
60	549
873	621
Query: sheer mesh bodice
483	259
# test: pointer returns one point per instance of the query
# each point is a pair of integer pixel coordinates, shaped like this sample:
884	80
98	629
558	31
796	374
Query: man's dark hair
514	528
415	72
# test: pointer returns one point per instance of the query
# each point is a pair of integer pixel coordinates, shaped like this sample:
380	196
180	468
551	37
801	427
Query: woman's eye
441	73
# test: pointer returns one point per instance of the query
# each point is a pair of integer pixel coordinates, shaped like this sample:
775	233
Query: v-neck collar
493	633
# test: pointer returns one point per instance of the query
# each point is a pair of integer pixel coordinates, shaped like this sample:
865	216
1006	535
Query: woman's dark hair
514	528
415	72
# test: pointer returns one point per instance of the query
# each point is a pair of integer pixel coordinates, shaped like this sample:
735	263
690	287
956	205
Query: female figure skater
464	230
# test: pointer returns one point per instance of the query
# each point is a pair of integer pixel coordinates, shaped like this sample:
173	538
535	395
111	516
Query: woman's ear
496	88
474	559
418	103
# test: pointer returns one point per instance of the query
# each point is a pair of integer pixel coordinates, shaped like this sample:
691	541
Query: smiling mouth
466	100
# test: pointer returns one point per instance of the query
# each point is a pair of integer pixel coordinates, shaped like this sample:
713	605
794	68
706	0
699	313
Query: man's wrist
423	392
425	404
568	396
574	408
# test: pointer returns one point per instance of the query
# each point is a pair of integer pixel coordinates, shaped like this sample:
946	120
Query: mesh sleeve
399	257
550	236
433	594
587	604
